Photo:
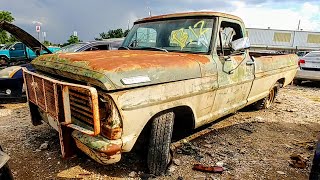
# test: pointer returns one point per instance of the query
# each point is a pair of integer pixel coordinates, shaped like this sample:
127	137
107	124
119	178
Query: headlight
111	124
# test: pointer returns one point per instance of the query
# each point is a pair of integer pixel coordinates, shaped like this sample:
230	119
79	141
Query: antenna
149	10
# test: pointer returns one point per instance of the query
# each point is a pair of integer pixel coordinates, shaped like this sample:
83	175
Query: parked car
172	73
309	68
16	56
5	172
109	44
18	53
300	54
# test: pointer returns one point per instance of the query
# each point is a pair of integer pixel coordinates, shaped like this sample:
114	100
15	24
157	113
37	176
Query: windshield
313	54
182	35
71	48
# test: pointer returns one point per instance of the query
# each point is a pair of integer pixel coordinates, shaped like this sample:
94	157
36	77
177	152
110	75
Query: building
283	40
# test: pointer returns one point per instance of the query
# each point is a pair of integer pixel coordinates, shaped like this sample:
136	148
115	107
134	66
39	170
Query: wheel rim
270	98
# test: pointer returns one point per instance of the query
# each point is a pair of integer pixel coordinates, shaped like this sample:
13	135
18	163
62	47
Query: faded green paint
72	70
97	143
110	79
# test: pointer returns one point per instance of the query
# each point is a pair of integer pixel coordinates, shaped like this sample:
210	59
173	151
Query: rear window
313	54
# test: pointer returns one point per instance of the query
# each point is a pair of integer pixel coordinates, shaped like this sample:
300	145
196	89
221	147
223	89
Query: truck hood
4	52
113	70
24	37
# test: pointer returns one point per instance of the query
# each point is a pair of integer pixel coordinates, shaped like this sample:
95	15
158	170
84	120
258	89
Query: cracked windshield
183	35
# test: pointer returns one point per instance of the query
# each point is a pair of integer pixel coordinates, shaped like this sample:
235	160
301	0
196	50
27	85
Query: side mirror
12	49
240	44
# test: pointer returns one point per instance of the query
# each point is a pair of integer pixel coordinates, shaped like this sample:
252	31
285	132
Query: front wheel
266	102
159	143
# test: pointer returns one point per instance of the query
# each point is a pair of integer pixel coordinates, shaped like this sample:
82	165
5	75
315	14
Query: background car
309	68
108	44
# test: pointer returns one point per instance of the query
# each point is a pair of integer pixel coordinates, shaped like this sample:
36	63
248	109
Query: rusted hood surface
107	69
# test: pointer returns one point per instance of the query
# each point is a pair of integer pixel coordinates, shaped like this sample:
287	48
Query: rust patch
121	61
188	14
111	150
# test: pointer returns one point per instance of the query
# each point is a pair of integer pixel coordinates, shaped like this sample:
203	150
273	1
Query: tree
5	16
47	43
113	33
72	40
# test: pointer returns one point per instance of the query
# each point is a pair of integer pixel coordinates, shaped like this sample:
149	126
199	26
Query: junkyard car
309	68
172	73
18	53
109	44
11	80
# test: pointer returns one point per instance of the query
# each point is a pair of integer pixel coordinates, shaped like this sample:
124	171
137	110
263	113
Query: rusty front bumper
100	149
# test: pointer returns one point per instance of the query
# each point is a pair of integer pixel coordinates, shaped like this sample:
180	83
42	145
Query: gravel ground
248	144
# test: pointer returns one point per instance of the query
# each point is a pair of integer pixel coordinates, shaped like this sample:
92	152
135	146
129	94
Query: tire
297	82
266	102
159	143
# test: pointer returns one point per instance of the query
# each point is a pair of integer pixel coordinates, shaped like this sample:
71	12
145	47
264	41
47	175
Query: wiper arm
124	47
155	48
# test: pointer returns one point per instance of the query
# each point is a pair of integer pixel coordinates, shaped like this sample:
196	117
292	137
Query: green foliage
72	40
47	43
113	33
4	37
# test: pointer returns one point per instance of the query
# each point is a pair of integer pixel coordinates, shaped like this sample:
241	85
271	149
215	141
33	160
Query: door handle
249	63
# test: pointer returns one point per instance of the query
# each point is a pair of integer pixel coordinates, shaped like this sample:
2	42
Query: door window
18	46
228	33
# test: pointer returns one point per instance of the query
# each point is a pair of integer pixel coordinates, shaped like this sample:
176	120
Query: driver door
18	51
235	75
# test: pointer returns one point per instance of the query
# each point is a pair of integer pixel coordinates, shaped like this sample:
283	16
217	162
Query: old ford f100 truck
173	72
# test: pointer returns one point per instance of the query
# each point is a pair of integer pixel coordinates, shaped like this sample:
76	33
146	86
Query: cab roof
190	14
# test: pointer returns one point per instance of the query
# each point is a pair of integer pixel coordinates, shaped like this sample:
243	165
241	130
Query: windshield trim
213	35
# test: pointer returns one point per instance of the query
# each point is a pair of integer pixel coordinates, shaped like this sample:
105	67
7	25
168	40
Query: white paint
135	80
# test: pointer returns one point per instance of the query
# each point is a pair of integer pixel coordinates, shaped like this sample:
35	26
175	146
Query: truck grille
42	93
65	102
81	105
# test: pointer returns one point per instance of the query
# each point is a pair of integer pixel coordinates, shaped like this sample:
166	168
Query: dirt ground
248	144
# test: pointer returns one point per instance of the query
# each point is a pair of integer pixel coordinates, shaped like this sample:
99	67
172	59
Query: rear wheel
159	143
266	102
297	82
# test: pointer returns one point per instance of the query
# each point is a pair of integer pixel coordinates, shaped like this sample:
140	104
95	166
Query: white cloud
279	18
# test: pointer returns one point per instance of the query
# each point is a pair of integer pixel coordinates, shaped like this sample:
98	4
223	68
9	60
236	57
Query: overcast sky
60	18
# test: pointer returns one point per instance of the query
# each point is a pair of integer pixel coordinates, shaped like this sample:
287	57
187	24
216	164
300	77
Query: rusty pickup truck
173	72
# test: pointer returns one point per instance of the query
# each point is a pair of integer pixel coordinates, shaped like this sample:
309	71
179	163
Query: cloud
280	18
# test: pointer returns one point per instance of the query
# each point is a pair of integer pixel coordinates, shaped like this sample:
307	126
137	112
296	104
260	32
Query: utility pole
149	10
128	24
44	34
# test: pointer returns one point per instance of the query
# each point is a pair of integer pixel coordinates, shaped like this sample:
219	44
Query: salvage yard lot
249	144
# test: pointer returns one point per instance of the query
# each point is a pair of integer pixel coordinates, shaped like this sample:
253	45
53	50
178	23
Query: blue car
16	56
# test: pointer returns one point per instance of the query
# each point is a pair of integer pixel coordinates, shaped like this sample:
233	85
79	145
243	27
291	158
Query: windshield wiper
153	48
123	47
